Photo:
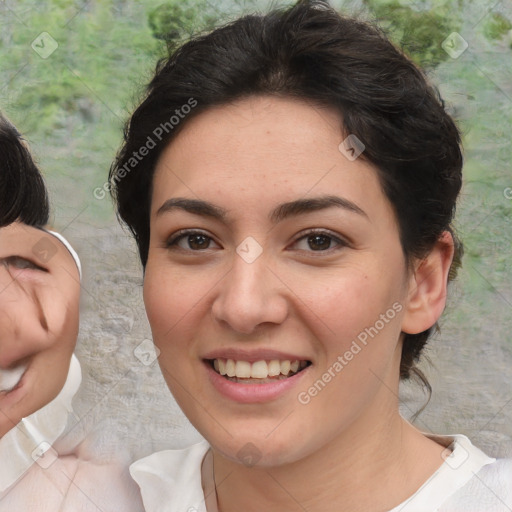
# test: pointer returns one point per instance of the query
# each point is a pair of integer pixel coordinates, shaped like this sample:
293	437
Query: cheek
355	319
173	302
342	303
174	308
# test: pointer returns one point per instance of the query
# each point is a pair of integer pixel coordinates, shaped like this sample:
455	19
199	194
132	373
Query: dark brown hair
312	53
23	194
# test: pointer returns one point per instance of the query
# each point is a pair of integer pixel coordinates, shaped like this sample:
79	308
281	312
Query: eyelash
12	260
322	232
177	237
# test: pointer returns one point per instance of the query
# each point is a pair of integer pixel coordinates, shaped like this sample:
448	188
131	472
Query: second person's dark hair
23	194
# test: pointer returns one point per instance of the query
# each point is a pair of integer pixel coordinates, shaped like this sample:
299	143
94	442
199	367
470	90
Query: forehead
262	150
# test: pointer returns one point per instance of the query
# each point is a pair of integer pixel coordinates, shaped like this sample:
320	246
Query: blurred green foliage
107	48
102	50
174	21
72	105
419	33
496	26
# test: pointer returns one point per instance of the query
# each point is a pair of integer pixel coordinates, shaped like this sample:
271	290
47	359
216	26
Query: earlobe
427	287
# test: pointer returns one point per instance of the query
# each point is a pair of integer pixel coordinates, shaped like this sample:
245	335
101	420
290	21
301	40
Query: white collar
172	477
462	462
69	248
44	425
170	480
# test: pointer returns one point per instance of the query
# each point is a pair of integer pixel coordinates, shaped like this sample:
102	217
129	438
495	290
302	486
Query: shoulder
467	481
103	486
489	490
49	480
68	484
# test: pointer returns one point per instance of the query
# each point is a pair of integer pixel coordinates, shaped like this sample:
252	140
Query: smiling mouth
10	379
259	372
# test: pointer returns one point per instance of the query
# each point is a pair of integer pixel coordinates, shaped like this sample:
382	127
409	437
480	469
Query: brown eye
320	241
198	242
191	241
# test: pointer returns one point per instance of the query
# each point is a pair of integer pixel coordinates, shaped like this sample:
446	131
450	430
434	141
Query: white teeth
274	368
258	370
230	368
9	379
242	370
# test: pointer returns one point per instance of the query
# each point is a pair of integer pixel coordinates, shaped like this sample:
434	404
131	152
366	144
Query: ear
427	287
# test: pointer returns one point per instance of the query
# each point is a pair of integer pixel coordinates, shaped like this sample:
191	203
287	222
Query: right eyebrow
195	206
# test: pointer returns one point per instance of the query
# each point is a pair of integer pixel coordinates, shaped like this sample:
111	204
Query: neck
379	452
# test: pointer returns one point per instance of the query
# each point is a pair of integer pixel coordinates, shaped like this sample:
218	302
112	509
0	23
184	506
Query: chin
257	451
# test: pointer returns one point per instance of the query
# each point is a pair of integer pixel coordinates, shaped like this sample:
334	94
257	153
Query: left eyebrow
303	206
281	212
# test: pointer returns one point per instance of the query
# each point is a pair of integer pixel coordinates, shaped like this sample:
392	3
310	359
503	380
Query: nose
249	297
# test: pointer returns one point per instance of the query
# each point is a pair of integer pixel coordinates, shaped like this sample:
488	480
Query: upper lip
252	356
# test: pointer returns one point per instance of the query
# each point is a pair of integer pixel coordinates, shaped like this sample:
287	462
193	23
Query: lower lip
252	393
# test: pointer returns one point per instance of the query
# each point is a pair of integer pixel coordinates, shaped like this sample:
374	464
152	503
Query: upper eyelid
13	257
188	231
319	231
299	236
184	232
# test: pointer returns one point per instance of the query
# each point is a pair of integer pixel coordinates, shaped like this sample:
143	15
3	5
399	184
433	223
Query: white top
467	481
69	248
34	477
22	446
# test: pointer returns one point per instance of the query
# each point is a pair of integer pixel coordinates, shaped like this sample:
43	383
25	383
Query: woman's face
39	306
269	249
